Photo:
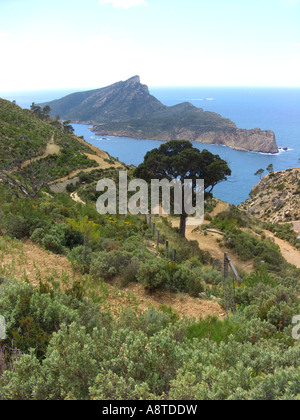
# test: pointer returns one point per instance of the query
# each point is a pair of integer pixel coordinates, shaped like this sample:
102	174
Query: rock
276	197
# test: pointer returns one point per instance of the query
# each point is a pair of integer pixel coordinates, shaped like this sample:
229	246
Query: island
127	109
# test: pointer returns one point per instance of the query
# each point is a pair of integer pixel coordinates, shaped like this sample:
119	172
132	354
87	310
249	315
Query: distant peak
134	80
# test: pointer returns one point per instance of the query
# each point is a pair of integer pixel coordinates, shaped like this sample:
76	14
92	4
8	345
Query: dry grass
25	261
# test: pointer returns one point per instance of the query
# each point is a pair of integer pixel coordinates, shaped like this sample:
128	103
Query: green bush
81	256
229	220
183	279
195	284
109	386
284	231
82	353
38	236
250	247
129	273
32	316
163	274
153	274
57	238
212	328
54	241
17	226
107	265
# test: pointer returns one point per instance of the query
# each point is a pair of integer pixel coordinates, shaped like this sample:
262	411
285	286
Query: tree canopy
180	160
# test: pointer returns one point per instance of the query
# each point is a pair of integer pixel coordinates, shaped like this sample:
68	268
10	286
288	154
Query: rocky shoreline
244	140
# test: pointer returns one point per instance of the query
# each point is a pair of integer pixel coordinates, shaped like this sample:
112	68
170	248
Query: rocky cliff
127	109
247	140
276	198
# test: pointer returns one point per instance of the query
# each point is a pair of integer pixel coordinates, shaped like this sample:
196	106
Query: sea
276	109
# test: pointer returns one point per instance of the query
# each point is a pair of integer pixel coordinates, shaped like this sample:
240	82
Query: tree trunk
182	226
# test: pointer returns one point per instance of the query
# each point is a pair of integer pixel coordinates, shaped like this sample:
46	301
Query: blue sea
276	109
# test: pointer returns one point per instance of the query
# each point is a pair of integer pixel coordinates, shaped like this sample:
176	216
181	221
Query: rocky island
127	109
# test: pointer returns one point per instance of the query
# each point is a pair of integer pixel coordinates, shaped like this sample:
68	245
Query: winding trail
208	242
289	253
51	149
99	158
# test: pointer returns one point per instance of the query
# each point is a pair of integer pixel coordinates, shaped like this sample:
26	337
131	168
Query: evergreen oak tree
178	159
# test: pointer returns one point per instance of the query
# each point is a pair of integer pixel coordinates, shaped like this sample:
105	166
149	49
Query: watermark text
188	197
2	328
296	329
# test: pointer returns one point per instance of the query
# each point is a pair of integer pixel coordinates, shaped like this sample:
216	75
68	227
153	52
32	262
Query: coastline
243	164
99	134
280	149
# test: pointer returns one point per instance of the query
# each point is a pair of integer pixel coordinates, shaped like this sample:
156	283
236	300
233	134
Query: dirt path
76	198
54	149
220	207
208	242
289	253
51	149
99	158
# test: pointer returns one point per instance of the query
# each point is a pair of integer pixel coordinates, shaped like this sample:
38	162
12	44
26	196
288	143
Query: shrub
183	279
229	220
52	243
107	265
162	274
250	247
195	285
81	257
212	328
129	273
54	240
73	237
153	274
109	386
17	226
38	236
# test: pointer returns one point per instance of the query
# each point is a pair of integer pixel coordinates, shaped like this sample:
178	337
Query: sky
86	44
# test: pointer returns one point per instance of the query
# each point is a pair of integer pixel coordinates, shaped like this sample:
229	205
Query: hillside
127	109
44	171
119	102
97	307
276	198
32	143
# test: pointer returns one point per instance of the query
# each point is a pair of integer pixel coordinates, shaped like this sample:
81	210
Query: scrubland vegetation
65	342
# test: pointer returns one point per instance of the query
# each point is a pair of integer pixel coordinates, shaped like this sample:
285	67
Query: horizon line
76	89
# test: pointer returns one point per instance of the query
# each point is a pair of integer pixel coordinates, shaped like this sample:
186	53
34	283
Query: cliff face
127	109
245	140
276	198
248	140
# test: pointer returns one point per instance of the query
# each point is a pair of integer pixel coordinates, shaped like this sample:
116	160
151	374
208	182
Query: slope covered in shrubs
68	347
65	342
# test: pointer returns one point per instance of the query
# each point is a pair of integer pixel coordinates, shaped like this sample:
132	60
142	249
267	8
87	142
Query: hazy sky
92	43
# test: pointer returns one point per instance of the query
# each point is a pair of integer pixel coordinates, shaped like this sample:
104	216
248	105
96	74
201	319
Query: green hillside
21	134
95	307
24	135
